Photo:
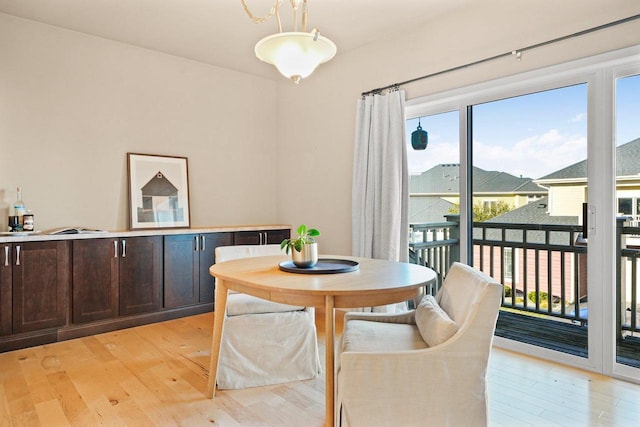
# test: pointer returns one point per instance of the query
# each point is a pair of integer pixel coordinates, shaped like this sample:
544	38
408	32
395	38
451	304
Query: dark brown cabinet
113	277
5	288
40	284
53	290
140	274
187	259
207	259
264	237
95	279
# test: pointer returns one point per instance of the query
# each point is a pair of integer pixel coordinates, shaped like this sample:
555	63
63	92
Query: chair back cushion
462	287
227	253
434	324
240	304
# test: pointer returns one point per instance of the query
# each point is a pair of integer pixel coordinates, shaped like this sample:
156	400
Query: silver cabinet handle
261	234
115	249
124	248
195	238
265	238
6	256
18	255
202	245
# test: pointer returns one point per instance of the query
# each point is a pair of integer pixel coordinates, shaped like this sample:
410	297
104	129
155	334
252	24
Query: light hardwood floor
156	375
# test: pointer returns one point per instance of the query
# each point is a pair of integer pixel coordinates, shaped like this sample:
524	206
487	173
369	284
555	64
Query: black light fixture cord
517	52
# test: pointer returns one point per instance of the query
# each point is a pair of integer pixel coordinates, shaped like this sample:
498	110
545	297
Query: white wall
72	106
316	119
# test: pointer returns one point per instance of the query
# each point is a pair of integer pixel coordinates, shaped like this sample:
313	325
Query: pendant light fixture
295	54
419	138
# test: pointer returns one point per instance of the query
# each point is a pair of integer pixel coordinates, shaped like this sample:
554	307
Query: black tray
323	266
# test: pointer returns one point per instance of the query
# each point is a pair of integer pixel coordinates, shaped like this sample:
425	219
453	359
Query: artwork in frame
158	191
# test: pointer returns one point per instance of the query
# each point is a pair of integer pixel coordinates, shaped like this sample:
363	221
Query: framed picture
158	191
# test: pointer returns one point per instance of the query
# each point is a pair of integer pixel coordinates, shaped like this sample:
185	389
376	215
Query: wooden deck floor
562	336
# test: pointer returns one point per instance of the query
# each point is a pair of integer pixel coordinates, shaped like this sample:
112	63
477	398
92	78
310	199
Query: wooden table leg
218	324
329	327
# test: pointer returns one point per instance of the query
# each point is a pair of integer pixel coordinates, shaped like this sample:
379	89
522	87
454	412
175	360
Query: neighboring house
535	212
568	187
428	209
435	192
538	265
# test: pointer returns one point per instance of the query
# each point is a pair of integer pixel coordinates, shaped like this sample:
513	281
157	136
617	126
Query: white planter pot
307	258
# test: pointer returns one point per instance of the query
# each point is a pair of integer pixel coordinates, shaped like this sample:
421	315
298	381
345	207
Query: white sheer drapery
380	193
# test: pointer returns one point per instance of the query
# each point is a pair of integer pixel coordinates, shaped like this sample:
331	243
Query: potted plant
304	248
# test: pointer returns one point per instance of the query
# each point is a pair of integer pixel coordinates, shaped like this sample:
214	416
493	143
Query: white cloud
578	118
435	154
534	156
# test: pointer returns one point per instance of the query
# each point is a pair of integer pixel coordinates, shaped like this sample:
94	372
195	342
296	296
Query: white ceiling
218	32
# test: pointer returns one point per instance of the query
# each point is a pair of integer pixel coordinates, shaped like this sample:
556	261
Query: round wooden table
376	282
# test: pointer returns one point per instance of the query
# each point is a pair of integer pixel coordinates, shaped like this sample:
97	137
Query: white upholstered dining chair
264	342
427	366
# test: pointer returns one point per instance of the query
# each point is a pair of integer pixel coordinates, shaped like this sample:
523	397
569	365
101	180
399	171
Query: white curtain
380	193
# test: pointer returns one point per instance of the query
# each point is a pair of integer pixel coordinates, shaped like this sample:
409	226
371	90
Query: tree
483	212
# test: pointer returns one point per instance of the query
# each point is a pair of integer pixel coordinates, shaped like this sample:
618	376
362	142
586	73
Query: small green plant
305	236
507	291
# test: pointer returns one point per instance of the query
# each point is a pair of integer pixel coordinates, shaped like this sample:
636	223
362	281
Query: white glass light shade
295	54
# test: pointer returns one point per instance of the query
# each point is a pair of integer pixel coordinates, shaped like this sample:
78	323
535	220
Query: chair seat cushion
367	336
434	324
239	304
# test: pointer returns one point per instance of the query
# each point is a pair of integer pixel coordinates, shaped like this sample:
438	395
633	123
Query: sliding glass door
545	197
627	178
529	184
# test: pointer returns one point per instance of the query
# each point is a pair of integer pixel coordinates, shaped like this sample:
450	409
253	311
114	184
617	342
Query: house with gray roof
567	187
435	192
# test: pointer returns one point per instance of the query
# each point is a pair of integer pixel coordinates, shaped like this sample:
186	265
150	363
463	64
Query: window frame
599	72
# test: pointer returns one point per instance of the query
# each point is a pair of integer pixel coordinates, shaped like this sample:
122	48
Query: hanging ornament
419	138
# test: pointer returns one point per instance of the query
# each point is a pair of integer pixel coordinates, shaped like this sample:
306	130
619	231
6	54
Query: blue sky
531	135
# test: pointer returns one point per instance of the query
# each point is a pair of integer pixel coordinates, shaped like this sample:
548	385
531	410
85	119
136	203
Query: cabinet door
95	279
140	274
40	285
247	238
208	244
260	237
5	288
181	262
277	236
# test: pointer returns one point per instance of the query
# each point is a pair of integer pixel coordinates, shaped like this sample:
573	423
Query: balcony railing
543	267
628	249
435	245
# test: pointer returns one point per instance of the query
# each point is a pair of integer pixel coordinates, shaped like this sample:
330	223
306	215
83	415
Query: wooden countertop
43	236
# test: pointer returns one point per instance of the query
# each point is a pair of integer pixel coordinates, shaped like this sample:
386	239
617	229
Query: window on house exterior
625	206
508	264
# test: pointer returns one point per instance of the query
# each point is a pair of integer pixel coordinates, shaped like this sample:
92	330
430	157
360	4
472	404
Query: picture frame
158	191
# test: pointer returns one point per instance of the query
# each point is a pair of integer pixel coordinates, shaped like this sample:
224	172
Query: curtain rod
516	52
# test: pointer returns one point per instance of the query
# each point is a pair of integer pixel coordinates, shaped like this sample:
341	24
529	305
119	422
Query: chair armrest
407	317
